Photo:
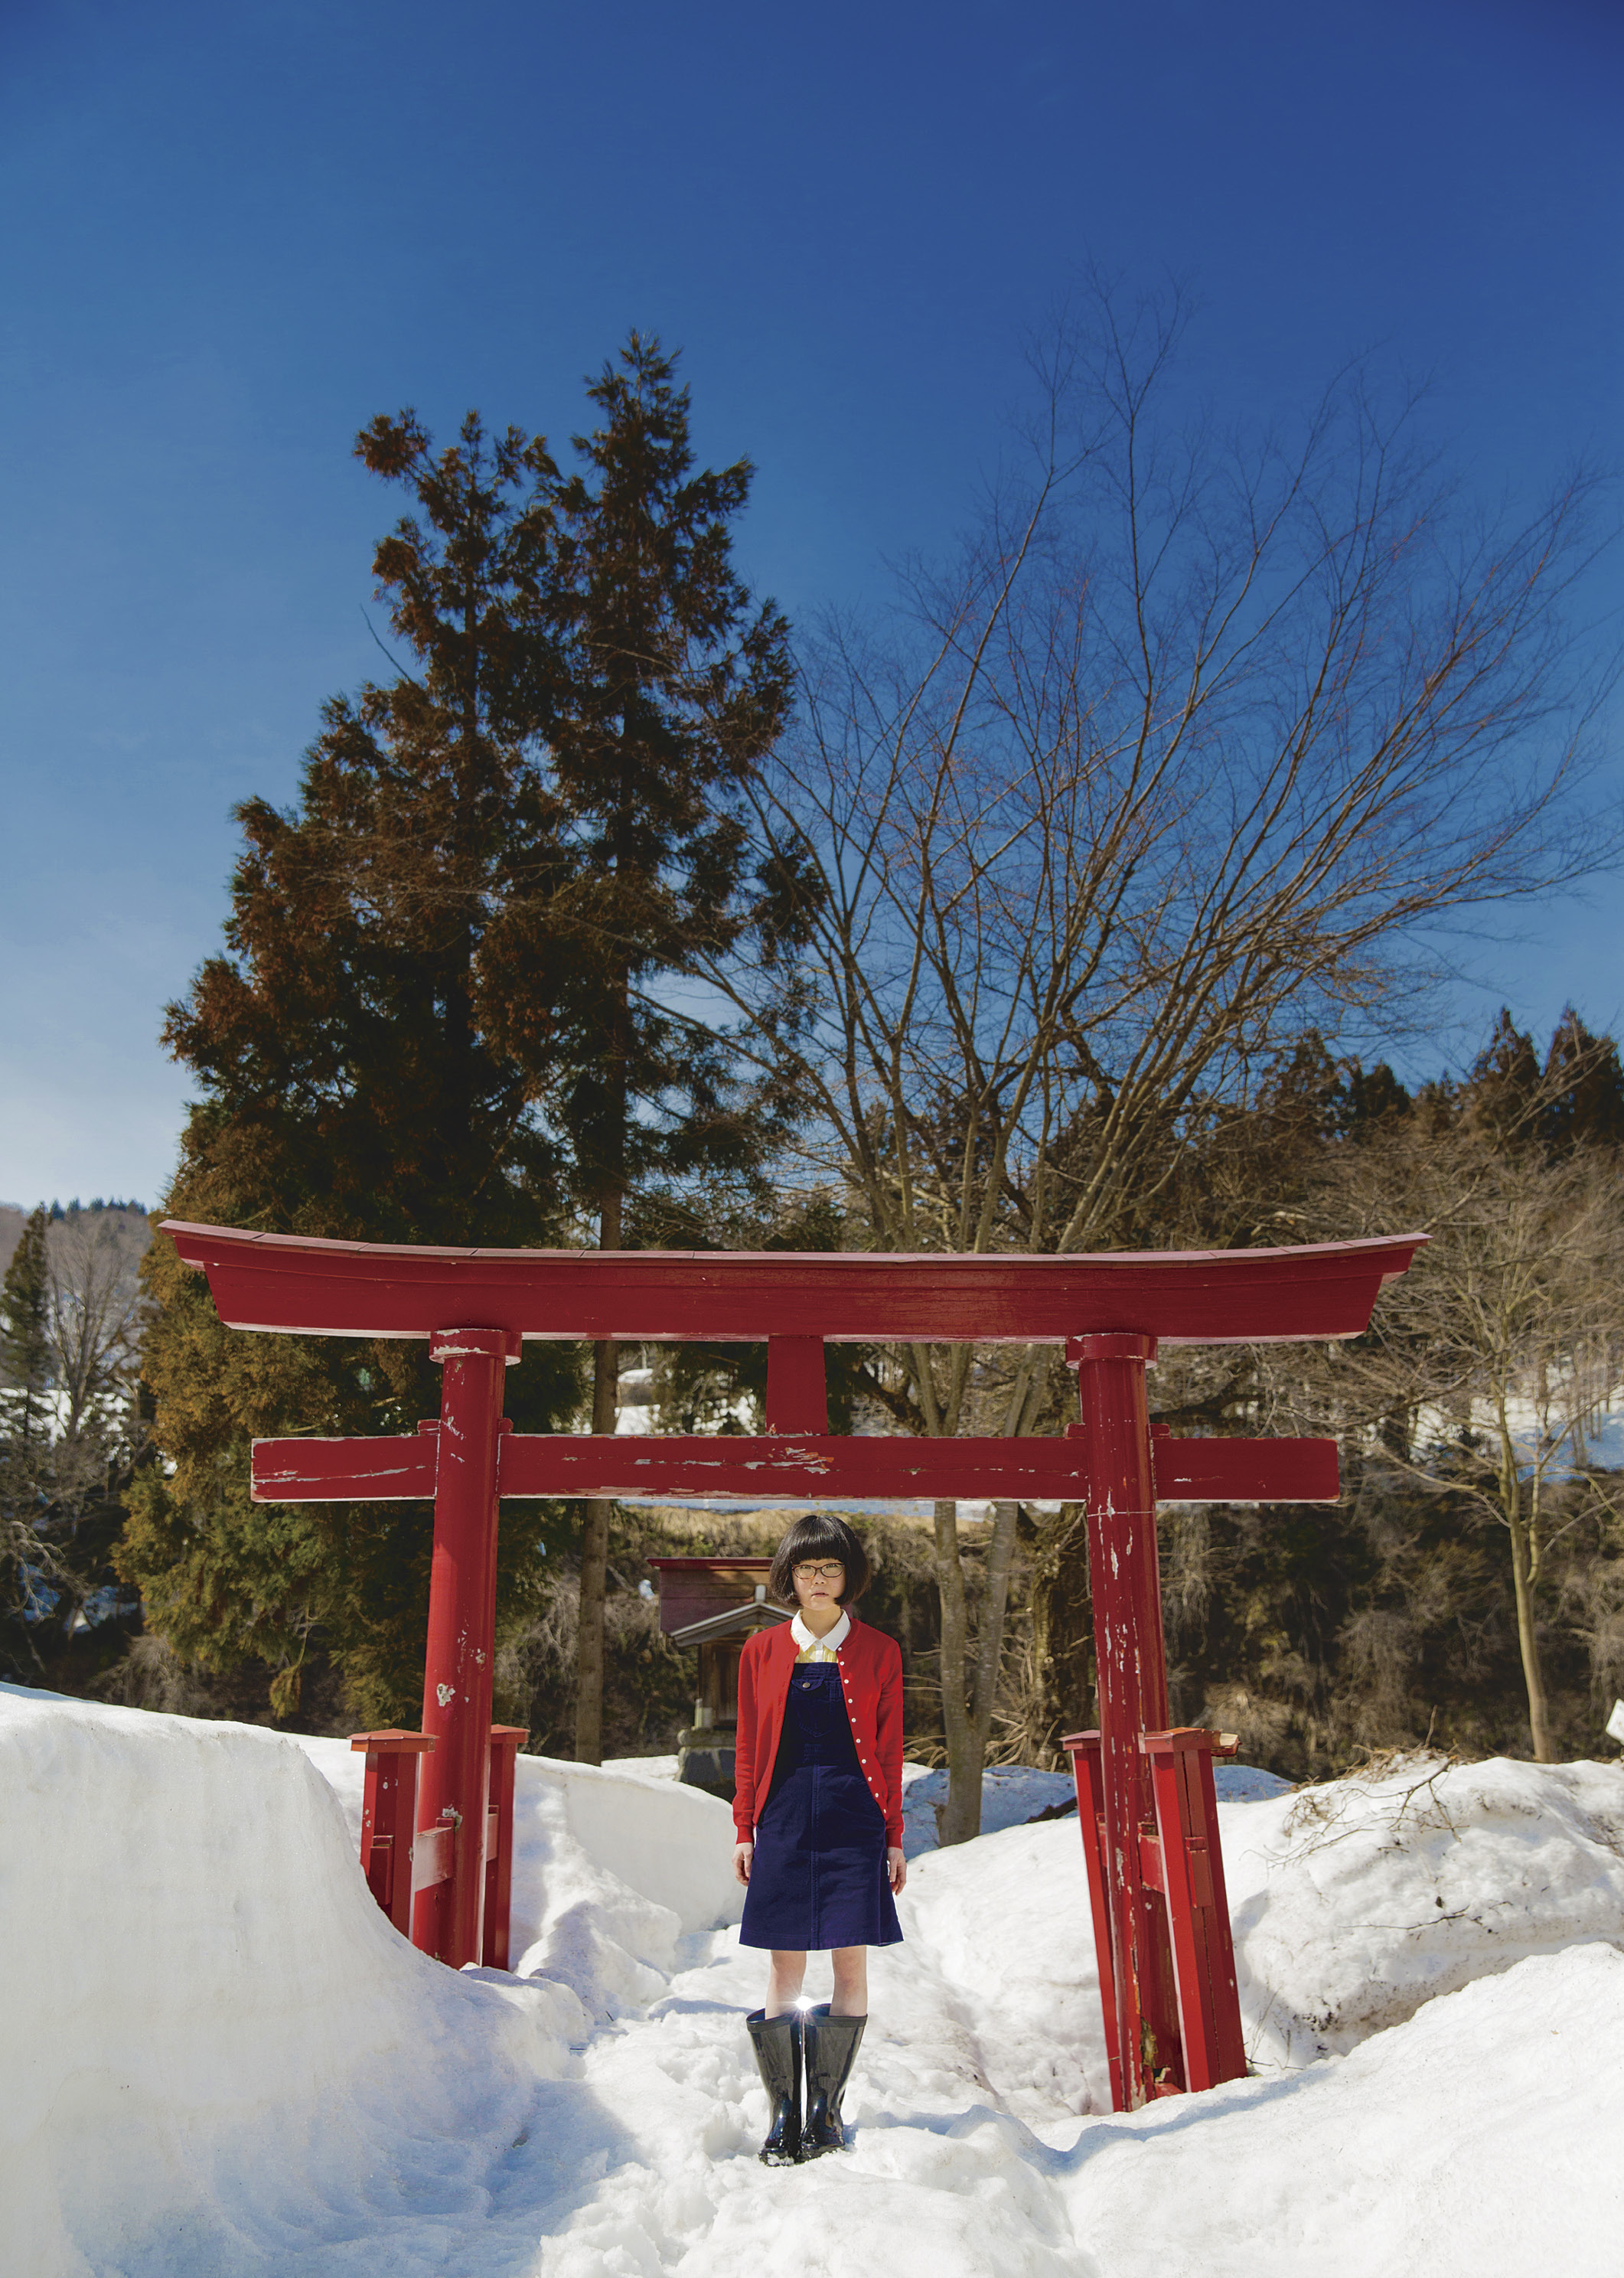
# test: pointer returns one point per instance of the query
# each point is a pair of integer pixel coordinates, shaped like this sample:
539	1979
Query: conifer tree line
73	1432
1046	912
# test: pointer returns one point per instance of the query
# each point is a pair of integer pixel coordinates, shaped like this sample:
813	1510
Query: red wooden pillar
456	1691
389	1817
797	1395
1192	1861
1083	1750
506	1741
1132	1672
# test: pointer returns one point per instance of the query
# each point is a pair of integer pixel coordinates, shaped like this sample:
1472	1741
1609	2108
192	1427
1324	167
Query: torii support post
1083	1750
389	1817
1182	1860
1131	1663
1191	1863
402	1864
457	1672
506	1741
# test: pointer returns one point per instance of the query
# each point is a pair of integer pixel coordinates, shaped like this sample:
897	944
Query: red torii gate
1167	1985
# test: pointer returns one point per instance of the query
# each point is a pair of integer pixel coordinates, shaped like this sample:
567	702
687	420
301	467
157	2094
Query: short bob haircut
819	1535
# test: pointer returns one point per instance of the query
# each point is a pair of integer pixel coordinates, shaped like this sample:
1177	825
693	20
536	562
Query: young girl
817	1805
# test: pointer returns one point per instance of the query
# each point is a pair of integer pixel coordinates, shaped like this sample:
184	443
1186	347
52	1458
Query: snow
220	2057
1014	1795
612	1870
1479	2141
1576	1428
1354	1902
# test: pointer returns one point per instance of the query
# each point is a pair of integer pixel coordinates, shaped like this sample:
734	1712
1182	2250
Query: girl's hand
742	1854
896	1867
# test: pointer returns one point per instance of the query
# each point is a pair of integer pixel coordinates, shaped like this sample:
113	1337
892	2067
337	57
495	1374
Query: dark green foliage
444	1014
1394	1615
352	1087
25	1450
345	1047
25	1347
1584	1090
671	686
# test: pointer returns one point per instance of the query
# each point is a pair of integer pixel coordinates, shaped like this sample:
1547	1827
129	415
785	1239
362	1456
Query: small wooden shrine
714	1604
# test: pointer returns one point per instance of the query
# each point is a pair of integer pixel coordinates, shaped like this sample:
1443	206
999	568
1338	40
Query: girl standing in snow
817	1805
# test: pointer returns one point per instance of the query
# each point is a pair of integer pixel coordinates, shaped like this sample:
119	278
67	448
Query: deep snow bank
218	2058
208	2025
1480	2140
611	1868
1458	2145
1355	1901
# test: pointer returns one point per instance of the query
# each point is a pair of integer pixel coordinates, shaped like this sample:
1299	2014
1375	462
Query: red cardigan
871	1676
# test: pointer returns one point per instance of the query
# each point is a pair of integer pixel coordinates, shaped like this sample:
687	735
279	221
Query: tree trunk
595	1536
961	1817
1527	1640
989	1628
970	1690
1061	1630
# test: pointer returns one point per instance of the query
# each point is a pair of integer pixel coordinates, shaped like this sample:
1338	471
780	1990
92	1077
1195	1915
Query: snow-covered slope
218	2058
1478	2141
215	2052
611	1869
1354	1902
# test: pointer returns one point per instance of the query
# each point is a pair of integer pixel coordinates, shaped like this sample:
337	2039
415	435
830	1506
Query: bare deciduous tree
97	1312
1492	1360
74	1313
1181	752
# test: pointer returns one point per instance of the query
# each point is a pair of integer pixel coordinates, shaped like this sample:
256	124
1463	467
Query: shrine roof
733	1621
724	1562
296	1282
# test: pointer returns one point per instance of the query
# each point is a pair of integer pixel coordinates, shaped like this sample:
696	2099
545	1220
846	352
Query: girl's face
819	1583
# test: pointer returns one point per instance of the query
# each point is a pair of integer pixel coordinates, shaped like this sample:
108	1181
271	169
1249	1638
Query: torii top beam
292	1283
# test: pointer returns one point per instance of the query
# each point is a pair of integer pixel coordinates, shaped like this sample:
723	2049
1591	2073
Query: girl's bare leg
850	1982
786	1976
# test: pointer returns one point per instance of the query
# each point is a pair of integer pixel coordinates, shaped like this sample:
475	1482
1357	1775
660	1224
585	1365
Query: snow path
938	2178
219	2060
1455	2146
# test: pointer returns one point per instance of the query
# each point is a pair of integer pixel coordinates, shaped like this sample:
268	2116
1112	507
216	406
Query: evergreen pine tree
25	1343
445	1013
1503	1094
675	686
26	1437
1585	1088
1376	1100
350	1087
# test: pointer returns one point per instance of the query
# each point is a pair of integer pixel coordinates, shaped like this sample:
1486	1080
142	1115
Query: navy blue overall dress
818	1878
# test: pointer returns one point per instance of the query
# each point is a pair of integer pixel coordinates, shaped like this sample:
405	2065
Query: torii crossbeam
476	1307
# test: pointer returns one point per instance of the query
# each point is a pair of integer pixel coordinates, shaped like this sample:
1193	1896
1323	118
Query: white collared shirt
821	1648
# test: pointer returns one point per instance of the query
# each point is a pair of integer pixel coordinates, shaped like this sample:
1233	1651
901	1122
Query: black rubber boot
831	2044
777	2043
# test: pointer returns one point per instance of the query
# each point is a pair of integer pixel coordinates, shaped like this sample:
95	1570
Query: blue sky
235	234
